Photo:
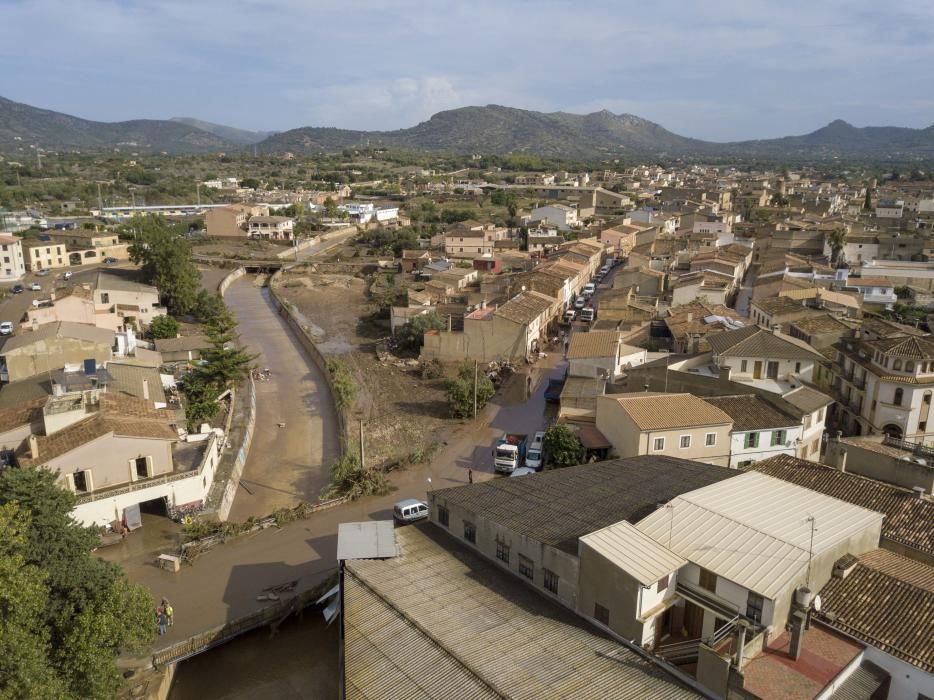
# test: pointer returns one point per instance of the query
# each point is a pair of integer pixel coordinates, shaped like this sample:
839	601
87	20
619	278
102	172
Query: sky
720	70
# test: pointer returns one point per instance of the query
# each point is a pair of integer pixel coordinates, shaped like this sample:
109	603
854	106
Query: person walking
169	612
470	476
163	620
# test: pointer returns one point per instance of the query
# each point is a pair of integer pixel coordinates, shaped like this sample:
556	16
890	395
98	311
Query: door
693	620
757	370
771	370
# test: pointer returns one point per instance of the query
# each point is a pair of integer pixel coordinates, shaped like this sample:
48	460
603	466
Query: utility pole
362	456
100	200
476	364
199	194
38	156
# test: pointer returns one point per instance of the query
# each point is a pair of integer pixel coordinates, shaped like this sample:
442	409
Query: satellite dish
817	603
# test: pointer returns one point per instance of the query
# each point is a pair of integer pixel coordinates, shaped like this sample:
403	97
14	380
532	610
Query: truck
553	390
509	452
588	314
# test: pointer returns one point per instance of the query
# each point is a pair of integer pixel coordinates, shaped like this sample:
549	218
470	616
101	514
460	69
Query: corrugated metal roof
634	552
440	621
366	540
754	531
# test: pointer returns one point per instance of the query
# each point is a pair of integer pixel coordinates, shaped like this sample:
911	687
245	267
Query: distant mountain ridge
493	129
228	133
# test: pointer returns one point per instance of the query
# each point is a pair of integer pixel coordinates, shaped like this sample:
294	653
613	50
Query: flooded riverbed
299	662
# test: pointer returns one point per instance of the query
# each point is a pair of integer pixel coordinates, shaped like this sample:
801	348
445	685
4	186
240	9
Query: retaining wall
233	482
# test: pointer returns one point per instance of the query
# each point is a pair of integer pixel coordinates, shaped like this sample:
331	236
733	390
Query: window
897	364
81	482
601	614
663	583
470	532
142	467
443	516
550	581
526	567
710	439
502	551
659	444
105	298
797	367
743	365
685	442
897	399
909	366
778	437
752	440
754	607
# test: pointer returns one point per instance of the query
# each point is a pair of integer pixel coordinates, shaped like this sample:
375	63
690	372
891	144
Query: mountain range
492	129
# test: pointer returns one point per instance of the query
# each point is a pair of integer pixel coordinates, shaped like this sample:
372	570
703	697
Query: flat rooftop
559	506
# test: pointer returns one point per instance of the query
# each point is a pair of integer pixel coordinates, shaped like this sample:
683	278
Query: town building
271	228
472	239
231	221
601	354
127	299
53	346
44	255
676	425
755	354
760	430
12	262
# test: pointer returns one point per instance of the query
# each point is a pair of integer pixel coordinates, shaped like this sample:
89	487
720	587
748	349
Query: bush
431	369
343	386
411	336
163	327
562	447
461	391
351	479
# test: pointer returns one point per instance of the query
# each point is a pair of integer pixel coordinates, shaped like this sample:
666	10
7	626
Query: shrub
562	447
343	386
461	391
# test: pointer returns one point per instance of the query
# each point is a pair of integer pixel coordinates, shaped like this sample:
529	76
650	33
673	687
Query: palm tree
837	240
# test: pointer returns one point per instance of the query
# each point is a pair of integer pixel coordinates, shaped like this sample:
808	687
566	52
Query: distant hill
491	129
228	133
497	129
22	125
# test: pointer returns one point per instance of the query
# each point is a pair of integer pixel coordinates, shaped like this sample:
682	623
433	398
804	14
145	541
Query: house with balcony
874	290
115	451
885	385
271	228
128	299
472	239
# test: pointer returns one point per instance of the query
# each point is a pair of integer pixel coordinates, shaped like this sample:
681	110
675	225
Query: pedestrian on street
470	475
169	612
163	620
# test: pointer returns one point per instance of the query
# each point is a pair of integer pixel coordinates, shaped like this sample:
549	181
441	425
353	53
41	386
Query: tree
412	334
351	479
250	183
867	203
330	208
164	257
562	446
837	240
66	614
164	327
461	391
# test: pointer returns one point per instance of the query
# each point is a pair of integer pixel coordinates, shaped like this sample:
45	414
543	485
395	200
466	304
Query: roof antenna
813	522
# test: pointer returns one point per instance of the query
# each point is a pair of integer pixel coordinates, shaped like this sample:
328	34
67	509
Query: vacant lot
402	412
237	249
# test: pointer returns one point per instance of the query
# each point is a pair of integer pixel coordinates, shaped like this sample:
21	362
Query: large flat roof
440	621
559	506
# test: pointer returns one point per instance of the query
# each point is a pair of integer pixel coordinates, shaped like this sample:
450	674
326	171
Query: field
402	412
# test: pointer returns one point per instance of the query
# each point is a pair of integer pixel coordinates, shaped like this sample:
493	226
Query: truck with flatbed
509	452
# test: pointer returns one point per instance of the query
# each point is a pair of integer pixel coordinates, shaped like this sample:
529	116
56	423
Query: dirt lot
403	413
237	249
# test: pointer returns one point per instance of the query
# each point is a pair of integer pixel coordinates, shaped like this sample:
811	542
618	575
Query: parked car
43	272
580	303
409	511
589	289
6	328
67	275
533	456
570	315
110	261
18	289
36	287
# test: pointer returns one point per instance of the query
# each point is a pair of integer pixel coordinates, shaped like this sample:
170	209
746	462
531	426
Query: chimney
725	373
146	389
918	490
33	447
841	460
798	620
776	328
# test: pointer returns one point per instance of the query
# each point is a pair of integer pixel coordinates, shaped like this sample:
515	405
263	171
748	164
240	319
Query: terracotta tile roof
914	347
869	282
525	307
904	569
778	305
751	412
753	341
23	414
884	611
807	399
593	344
907	518
659	411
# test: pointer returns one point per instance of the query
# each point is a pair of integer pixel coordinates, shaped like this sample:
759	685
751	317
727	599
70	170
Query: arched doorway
893	431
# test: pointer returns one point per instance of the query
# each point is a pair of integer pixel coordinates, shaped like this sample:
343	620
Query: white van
588	314
589	289
409	510
533	456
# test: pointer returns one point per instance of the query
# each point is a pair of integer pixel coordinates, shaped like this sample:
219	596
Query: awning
593	439
707	600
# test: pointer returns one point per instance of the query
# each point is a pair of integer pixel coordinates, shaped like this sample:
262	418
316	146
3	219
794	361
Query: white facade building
559	215
12	264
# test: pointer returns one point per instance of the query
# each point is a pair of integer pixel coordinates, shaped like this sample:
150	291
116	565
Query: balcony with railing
914	448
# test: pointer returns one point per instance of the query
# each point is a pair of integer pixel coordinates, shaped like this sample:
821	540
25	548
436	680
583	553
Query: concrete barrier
229	279
233	482
308	344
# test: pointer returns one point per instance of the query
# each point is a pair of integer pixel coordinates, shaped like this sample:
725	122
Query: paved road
223	584
286	464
